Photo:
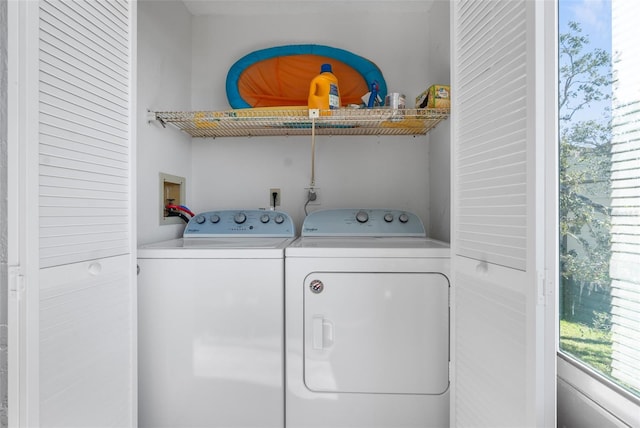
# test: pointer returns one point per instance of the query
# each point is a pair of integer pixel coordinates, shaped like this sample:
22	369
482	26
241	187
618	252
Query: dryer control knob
214	219
200	219
403	218
279	219
240	218
316	286
388	217
362	217
264	218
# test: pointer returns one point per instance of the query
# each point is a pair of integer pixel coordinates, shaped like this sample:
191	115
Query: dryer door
376	332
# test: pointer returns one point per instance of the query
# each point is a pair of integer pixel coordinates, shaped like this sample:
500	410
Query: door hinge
545	287
540	287
16	283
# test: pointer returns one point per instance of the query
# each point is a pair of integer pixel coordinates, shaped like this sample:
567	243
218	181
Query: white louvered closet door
86	295
498	348
84	130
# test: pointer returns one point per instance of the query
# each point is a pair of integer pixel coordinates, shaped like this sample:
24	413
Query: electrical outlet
275	197
312	196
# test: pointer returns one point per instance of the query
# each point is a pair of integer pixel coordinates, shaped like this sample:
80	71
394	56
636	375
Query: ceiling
294	7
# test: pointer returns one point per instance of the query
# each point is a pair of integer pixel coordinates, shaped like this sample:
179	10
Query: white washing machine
367	322
211	323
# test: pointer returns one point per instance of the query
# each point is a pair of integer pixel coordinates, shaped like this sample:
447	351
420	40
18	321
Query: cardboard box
437	96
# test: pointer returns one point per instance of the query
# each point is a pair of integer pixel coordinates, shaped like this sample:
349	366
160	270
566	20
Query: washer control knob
215	218
388	217
403	218
240	218
362	217
264	218
279	219
200	219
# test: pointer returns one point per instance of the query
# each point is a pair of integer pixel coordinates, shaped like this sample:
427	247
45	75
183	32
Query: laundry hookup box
437	96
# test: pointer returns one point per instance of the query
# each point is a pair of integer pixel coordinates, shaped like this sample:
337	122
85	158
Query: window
599	128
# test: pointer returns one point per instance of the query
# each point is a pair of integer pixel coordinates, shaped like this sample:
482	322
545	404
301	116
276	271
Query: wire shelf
296	121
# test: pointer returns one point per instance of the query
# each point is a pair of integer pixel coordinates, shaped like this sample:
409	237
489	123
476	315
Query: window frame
608	397
615	400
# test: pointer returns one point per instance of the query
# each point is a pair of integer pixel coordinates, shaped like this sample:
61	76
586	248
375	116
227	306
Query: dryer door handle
322	335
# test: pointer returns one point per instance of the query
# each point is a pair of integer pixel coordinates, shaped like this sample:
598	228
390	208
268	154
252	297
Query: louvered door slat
62	107
88	65
76	124
89	36
493	140
88	50
85	184
72	147
48	172
52	135
114	23
84	127
92	81
50	95
64	159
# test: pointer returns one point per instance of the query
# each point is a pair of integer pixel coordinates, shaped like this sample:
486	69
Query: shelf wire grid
265	122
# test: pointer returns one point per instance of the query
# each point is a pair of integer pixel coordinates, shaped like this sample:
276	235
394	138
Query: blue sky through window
594	17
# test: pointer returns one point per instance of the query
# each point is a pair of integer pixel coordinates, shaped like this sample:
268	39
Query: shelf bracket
152	117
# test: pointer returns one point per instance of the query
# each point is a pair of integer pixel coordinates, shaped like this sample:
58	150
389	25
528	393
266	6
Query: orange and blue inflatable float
280	76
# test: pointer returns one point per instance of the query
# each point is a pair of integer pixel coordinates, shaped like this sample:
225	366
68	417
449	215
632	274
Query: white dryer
367	322
211	322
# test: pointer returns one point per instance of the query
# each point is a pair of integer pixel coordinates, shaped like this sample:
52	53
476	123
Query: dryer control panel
363	222
238	223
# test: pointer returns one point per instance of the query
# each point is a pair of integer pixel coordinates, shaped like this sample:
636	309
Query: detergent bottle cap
325	68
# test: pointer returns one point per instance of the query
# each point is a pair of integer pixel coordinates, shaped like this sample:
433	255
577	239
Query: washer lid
216	248
363	222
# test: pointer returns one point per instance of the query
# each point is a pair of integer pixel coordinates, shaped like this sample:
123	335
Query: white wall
188	71
440	145
164	83
350	171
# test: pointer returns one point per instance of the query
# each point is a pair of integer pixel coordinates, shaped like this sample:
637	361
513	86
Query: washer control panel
253	223
363	222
